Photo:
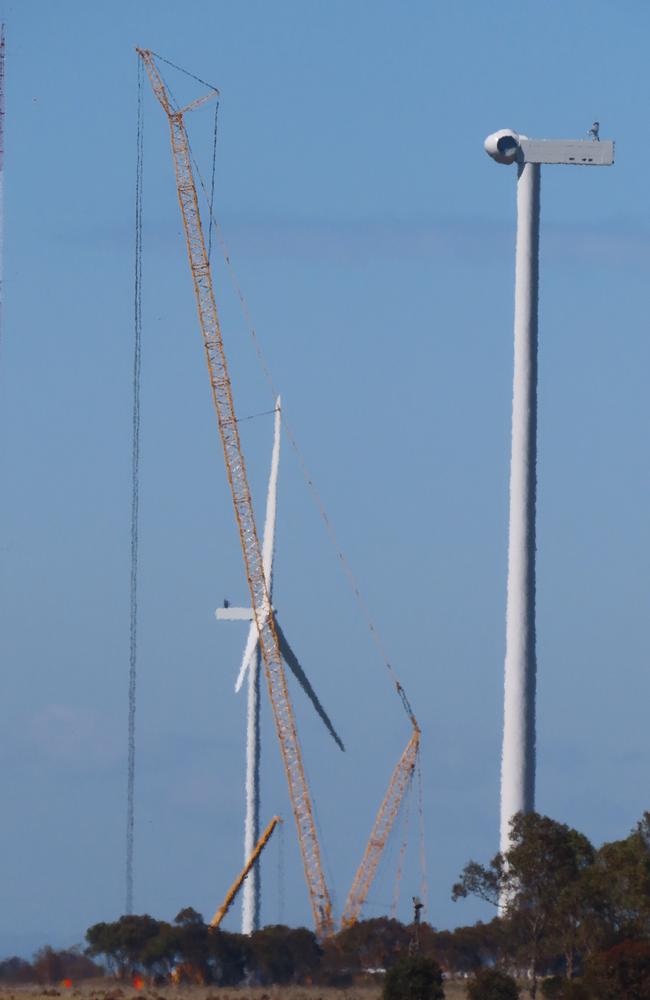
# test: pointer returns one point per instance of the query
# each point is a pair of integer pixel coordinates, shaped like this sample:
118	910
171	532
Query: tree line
569	916
50	966
576	915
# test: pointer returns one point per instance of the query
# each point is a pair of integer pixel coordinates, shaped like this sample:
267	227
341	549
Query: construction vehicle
231	895
319	896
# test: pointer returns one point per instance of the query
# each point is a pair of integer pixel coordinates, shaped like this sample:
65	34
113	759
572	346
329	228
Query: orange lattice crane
388	812
236	469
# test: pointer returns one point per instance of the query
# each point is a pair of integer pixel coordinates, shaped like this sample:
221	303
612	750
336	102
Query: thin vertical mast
2	166
135	506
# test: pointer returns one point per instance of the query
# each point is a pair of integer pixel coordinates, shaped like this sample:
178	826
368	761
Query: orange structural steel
382	827
236	469
239	881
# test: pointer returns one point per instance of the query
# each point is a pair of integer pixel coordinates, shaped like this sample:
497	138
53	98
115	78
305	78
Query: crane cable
135	497
424	882
345	564
214	224
352	580
214	163
402	850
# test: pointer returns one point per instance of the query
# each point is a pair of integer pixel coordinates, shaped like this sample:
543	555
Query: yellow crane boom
236	470
382	827
239	881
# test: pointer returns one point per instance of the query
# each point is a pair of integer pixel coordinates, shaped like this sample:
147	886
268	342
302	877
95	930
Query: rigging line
326	859
402	850
365	610
424	882
2	157
135	496
214	162
254	416
198	79
281	874
175	104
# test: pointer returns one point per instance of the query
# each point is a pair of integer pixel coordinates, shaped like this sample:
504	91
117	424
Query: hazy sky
374	242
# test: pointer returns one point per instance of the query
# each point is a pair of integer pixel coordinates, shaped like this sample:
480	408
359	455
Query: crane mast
382	827
241	496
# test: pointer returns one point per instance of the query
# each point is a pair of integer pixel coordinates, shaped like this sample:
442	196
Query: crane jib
283	716
241	496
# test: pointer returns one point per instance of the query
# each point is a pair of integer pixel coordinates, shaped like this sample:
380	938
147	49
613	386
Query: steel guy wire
135	498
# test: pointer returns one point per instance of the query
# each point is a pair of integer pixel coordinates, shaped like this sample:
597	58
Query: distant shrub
16	970
415	978
492	984
553	988
51	966
558	988
575	989
622	973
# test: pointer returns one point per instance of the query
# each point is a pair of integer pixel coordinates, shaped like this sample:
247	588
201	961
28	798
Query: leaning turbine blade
294	666
249	652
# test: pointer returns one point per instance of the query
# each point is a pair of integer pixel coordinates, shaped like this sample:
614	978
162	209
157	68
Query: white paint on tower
251	893
250	669
518	760
519	749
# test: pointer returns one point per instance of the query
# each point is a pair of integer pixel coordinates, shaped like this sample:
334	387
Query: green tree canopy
414	978
281	955
373	944
544	861
492	984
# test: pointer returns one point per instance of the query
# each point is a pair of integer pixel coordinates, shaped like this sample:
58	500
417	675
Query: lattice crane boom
239	881
236	470
388	812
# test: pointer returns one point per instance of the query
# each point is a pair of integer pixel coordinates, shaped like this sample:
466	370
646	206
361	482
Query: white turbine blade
296	669
249	653
268	543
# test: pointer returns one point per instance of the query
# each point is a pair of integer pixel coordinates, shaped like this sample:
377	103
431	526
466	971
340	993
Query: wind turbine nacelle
504	145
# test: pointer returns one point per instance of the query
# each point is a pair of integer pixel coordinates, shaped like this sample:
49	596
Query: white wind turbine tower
251	669
519	723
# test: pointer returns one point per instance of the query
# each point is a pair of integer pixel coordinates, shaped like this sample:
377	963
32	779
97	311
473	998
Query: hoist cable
180	69
424	882
135	497
2	167
281	874
365	611
214	161
402	850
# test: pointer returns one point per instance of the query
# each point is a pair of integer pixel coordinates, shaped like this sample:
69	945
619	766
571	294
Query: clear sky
374	242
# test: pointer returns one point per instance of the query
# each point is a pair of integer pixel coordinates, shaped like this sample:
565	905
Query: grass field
115	991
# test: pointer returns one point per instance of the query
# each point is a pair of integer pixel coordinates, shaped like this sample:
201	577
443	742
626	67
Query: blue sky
374	242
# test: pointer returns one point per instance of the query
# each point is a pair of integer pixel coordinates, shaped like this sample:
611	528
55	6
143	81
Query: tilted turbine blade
249	653
294	666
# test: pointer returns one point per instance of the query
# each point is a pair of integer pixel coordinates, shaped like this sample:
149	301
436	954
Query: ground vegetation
571	922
